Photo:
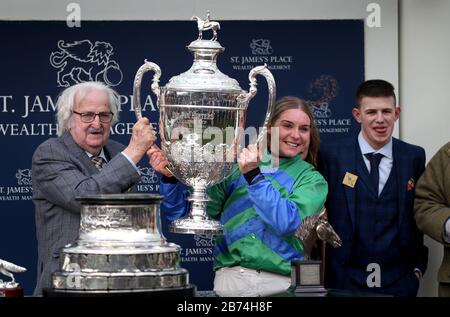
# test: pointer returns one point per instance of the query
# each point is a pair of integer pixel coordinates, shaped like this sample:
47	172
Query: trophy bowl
202	117
199	140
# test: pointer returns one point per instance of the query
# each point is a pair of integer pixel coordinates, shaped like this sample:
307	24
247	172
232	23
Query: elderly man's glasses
88	117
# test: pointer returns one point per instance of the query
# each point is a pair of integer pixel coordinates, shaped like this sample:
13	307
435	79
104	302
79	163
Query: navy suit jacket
340	157
61	170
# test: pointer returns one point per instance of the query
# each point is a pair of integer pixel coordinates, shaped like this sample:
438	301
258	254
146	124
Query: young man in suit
82	160
371	181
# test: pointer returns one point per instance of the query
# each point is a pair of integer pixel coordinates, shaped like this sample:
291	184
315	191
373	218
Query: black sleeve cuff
250	176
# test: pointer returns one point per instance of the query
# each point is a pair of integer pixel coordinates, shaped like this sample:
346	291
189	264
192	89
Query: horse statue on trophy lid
204	25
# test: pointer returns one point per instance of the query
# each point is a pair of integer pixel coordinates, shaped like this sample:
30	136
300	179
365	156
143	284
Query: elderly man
82	160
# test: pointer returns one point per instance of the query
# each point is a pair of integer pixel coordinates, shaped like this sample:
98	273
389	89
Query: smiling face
377	116
294	133
94	135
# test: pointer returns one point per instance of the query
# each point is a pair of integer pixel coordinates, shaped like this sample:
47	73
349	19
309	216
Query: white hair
66	102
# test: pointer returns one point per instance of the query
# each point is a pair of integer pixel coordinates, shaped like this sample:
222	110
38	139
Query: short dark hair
375	88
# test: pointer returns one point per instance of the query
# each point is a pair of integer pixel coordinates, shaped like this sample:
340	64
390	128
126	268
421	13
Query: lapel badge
349	180
410	184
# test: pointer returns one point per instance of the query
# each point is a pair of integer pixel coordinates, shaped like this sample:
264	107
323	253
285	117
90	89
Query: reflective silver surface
7	268
202	117
120	247
316	227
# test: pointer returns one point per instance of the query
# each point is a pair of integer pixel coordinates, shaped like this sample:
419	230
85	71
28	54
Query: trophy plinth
202	117
307	274
10	290
307	278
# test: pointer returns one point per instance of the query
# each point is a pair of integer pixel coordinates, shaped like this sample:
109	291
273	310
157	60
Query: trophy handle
147	66
137	85
264	71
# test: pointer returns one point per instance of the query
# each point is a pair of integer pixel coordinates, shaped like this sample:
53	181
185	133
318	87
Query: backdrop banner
321	61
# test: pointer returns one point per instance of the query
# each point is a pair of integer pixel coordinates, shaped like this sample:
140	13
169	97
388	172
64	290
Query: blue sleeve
284	215
280	213
174	204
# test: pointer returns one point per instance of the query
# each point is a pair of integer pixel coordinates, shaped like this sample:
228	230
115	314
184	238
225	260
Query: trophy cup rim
119	199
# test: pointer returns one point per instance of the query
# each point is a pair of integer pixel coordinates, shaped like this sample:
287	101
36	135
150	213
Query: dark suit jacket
340	157
61	170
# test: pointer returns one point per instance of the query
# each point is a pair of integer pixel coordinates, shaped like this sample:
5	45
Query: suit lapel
78	152
110	150
350	159
362	171
402	165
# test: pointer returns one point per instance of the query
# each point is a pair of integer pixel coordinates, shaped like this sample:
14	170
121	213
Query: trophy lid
204	74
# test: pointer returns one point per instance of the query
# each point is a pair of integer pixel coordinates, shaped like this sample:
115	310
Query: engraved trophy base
307	278
11	291
118	281
100	270
196	226
184	291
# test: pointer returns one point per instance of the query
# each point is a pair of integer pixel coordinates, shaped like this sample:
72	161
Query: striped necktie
98	162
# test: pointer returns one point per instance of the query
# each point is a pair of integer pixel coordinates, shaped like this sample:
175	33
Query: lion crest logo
23	176
81	61
261	47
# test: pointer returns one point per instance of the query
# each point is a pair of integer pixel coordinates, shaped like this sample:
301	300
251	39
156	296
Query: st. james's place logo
204	240
262	52
202	251
22	190
149	180
83	60
23	176
261	47
322	91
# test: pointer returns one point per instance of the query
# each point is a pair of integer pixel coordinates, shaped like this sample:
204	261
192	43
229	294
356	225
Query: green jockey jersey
259	218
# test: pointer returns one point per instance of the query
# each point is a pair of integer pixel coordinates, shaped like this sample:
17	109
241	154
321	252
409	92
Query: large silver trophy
120	251
202	115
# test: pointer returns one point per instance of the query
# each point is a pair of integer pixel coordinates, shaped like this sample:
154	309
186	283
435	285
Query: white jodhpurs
238	281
